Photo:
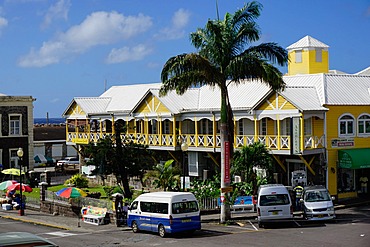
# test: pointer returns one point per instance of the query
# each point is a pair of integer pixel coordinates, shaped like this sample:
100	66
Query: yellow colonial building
317	129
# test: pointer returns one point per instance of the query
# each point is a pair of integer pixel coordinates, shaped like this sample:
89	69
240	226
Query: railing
208	203
80	201
273	142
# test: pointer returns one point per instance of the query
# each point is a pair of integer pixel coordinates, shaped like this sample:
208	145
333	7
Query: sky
61	49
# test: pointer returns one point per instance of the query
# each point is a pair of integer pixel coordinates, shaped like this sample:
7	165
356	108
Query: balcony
272	142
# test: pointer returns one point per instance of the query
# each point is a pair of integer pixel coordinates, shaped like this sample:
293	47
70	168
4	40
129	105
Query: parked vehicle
165	213
68	163
273	204
20	239
317	204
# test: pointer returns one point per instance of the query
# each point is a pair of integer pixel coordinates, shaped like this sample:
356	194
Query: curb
35	222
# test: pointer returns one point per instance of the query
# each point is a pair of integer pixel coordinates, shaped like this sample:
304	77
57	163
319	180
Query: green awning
354	158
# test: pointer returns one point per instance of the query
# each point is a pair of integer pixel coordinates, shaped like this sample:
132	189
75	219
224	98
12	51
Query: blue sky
57	50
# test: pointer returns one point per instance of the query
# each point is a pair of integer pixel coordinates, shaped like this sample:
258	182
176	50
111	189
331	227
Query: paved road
352	228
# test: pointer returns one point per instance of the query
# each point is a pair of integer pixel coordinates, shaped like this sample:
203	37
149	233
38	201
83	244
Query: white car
317	204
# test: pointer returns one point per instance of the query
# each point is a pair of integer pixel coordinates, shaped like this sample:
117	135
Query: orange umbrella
25	187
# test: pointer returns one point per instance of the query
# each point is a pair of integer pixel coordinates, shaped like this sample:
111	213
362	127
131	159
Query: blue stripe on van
147	223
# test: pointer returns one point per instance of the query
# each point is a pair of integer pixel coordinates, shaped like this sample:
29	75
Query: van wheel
161	231
260	225
135	227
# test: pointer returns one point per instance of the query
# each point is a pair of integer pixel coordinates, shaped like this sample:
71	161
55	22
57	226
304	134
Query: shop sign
338	143
227	163
295	144
345	161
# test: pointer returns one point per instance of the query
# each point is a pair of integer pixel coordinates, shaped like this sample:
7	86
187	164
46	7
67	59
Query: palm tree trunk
225	157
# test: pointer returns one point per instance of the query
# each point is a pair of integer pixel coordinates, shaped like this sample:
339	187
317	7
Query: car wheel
135	227
161	231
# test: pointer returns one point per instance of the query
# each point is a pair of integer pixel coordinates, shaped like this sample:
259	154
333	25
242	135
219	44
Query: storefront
352	164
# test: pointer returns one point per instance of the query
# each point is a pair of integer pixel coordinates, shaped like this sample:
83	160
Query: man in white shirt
363	181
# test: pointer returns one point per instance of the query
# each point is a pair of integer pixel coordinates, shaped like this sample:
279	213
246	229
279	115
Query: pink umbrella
25	187
4	185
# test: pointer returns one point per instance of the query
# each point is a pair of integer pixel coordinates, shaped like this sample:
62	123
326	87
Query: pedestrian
363	181
298	195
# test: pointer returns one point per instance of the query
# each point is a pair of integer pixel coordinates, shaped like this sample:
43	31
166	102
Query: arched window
364	124
346	125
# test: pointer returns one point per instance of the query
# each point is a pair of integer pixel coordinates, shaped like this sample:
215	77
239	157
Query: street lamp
20	155
184	148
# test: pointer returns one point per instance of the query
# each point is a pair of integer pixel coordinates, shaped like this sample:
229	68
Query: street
352	228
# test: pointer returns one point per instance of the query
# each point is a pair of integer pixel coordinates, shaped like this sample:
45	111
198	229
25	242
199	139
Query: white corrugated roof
347	90
179	103
304	98
307	42
91	105
124	98
335	89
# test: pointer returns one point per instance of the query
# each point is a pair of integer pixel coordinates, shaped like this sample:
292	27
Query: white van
164	212
274	204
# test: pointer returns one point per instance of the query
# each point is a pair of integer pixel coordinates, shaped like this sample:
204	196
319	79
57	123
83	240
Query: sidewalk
74	224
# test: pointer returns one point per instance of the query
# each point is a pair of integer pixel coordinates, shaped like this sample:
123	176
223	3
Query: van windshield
184	207
272	200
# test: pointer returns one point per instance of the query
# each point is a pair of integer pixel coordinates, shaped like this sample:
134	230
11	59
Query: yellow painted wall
332	133
308	64
317	126
75	110
151	104
272	101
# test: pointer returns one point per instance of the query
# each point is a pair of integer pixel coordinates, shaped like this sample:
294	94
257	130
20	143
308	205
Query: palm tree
223	58
166	176
249	157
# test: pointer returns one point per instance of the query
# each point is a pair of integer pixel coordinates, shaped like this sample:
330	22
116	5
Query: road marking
8	223
61	234
255	228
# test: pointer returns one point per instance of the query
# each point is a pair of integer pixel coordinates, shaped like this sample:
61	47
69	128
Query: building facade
314	128
16	131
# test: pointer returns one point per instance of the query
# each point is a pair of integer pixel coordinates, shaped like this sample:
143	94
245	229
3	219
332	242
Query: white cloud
128	54
3	23
99	28
57	11
179	21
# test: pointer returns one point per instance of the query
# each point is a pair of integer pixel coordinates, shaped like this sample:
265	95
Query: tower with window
308	56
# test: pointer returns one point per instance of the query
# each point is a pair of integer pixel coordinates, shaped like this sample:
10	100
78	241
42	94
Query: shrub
78	180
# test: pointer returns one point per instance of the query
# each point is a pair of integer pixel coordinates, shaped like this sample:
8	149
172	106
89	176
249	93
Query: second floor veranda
200	135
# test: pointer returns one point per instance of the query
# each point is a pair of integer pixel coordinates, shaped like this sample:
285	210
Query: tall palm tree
224	57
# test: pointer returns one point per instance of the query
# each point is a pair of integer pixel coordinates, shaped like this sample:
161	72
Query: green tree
124	159
225	55
166	176
249	157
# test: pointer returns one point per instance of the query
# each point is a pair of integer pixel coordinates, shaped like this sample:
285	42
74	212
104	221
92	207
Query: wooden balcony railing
272	142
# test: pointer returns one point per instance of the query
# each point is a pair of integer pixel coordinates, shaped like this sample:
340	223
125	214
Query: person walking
298	195
363	181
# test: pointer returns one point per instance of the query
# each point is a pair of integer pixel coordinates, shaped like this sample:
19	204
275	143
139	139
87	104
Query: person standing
363	181
298	195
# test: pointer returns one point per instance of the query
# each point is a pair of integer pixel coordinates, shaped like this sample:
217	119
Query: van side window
134	205
184	207
154	207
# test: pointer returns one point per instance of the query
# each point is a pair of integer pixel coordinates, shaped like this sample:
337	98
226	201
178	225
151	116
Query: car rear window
184	207
317	196
276	199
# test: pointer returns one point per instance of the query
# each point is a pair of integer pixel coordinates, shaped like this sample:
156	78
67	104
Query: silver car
317	204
